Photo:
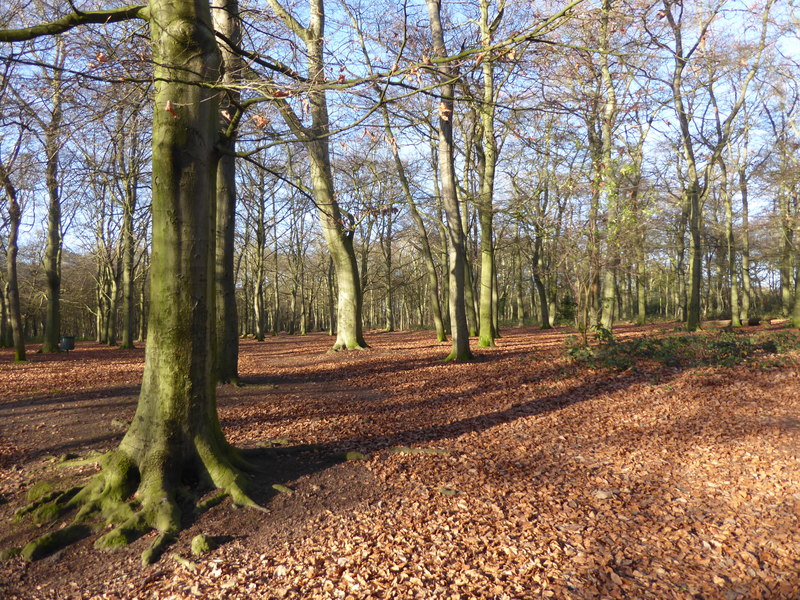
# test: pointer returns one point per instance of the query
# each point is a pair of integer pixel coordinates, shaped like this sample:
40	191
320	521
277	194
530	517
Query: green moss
204	505
202	544
47	513
10	553
153	553
184	562
114	539
353	455
132	529
39	490
54	541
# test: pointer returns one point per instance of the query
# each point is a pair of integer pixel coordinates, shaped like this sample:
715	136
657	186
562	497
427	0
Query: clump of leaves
724	348
578	350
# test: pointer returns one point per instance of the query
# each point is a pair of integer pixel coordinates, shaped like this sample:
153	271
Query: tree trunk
387	254
747	289
731	248
518	280
12	285
787	239
175	434
339	238
52	253
225	16
422	234
5	326
487	327
128	247
695	260
142	311
457	256
608	183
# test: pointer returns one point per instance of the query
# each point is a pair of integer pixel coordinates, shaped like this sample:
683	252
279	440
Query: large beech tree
175	434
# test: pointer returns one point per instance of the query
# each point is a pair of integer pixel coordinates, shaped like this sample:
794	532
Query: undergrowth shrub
722	348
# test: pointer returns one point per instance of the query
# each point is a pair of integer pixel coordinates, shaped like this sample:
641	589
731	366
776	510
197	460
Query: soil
518	475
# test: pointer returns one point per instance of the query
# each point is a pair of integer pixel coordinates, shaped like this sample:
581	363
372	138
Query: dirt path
520	475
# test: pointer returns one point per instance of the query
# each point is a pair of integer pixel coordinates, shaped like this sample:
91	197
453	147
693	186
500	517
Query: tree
488	157
175	432
226	23
422	234
336	228
12	286
455	234
698	178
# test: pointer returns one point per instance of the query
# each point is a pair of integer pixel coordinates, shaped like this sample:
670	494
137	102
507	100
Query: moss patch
202	544
54	541
39	490
353	455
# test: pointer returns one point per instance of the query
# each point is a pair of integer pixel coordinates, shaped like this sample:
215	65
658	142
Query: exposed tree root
459	357
234	381
487	342
339	346
136	497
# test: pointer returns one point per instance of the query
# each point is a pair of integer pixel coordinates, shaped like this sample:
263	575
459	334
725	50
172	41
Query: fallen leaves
519	475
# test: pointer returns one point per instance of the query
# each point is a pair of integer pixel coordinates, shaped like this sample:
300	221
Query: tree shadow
481	423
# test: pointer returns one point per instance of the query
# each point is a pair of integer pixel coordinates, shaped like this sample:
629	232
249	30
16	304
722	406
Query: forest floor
520	475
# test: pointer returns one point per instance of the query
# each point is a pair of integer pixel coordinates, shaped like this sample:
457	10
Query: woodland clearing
389	474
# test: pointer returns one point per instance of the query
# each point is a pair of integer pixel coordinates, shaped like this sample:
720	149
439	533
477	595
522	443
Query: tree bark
747	288
225	16
12	285
422	234
175	434
52	253
457	256
487	330
608	182
730	240
339	237
128	165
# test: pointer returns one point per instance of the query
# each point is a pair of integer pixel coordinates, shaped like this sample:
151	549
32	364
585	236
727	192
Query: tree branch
73	20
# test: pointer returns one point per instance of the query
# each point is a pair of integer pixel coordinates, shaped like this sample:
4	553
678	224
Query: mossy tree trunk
487	330
225	16
455	233
12	285
608	182
175	435
52	253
